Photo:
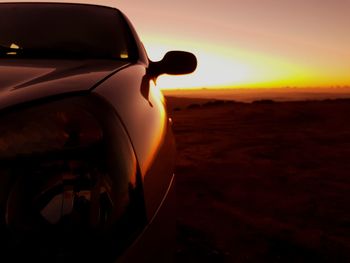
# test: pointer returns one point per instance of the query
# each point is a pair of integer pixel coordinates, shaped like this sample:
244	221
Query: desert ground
263	181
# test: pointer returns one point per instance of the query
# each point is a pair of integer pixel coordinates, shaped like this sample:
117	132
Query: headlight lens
69	190
47	129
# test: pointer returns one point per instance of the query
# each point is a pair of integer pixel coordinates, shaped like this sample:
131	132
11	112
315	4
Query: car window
62	31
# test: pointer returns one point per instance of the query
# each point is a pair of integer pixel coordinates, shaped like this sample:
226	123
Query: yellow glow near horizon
206	73
222	66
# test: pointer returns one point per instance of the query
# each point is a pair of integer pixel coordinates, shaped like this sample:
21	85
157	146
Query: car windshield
62	31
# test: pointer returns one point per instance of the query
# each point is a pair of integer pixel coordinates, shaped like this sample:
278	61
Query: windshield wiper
9	50
38	52
50	53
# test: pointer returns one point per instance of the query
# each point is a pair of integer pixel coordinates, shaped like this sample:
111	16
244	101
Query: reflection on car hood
26	80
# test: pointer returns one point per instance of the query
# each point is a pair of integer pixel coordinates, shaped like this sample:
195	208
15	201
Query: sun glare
207	72
222	66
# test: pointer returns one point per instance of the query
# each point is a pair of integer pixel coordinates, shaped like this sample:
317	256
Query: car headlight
47	129
69	188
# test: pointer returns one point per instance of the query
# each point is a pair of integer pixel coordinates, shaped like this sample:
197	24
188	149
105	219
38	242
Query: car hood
27	80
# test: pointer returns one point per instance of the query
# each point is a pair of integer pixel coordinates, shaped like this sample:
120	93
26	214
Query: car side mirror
173	63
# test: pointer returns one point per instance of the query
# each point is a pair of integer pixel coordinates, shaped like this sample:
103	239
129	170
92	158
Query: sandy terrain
262	182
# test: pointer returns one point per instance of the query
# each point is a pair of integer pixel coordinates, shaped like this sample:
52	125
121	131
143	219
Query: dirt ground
262	182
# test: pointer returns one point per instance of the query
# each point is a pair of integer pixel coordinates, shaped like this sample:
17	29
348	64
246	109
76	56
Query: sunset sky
248	43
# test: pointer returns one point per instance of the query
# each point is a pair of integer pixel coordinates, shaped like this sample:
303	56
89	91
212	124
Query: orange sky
248	43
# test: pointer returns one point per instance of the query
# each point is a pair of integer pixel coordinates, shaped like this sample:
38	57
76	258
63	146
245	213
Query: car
86	145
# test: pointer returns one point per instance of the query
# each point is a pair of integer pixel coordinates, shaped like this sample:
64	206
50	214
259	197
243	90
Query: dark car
86	148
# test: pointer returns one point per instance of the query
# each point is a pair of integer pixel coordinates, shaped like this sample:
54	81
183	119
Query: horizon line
254	88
